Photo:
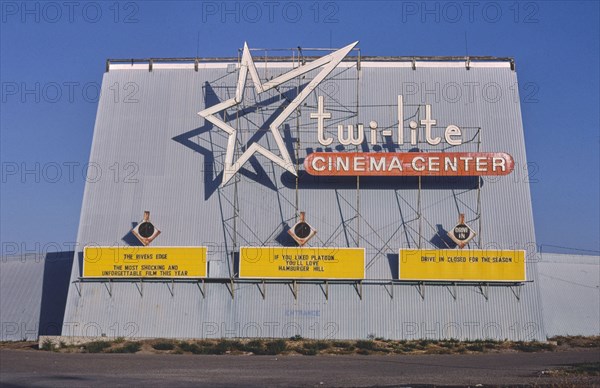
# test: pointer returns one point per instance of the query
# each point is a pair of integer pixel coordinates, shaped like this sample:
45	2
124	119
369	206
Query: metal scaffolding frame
293	284
230	201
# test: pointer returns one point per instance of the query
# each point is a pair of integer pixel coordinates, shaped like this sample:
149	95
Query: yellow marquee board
489	265
302	263
144	262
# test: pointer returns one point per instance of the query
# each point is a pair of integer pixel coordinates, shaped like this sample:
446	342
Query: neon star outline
329	63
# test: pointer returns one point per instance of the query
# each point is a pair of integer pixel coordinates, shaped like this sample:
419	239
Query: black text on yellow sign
302	263
462	265
144	262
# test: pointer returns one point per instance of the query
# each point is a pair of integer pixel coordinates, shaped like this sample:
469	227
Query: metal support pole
390	291
421	290
235	208
357	149
262	290
484	288
108	286
516	290
172	289
479	193
140	287
297	199
419	201
358	288
361	289
358	211
229	287
420	215
452	290
325	290
202	288
294	288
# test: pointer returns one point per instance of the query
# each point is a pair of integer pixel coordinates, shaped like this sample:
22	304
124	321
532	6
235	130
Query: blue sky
53	56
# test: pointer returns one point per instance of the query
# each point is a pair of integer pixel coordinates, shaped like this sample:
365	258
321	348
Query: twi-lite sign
408	130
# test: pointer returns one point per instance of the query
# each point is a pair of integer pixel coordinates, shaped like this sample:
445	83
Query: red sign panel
409	163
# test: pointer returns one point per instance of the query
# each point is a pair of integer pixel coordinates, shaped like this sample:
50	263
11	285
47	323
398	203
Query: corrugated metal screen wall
151	151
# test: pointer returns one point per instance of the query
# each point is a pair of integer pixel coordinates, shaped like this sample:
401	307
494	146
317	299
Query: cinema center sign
409	163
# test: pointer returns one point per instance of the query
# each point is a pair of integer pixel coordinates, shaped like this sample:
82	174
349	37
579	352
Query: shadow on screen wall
55	287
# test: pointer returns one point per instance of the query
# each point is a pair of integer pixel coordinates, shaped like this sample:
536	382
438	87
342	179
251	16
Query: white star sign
329	62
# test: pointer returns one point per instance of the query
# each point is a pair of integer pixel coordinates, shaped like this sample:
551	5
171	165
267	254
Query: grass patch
438	351
532	346
163	345
190	347
476	347
583	369
312	348
129	347
577	341
308	349
255	346
96	346
342	344
224	346
184	346
366	345
424	343
315	347
369	346
448	345
322	345
276	347
47	345
586	369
